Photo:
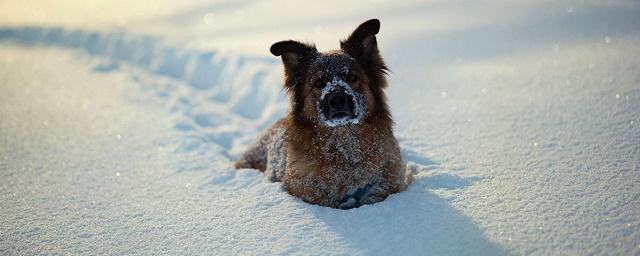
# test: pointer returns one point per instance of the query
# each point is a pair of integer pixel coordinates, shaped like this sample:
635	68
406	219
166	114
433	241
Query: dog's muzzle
338	105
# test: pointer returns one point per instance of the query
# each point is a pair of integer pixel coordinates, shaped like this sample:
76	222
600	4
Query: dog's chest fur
329	165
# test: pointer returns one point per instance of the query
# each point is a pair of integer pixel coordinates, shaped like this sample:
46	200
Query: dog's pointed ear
362	44
295	55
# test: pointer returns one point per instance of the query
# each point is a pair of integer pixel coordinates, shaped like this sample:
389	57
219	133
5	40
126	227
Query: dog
335	147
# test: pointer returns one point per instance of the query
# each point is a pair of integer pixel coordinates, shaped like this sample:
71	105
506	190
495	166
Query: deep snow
118	128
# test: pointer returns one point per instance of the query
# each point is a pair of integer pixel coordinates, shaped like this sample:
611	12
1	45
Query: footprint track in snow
214	98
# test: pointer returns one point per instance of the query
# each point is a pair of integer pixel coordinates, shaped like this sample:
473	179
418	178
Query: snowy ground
119	122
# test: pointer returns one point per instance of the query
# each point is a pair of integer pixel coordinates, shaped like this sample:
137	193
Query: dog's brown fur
343	166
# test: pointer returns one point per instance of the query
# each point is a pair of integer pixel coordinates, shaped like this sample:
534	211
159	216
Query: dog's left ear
362	43
294	54
295	57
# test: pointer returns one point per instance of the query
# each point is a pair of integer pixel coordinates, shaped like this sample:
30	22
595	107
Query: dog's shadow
416	221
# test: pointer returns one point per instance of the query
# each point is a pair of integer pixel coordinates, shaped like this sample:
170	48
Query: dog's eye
319	83
351	78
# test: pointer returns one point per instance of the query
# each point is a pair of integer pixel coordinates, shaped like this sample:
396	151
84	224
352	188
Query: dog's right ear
362	43
295	55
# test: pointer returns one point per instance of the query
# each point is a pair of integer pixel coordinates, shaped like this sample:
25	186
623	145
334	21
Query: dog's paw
240	165
356	198
374	194
349	203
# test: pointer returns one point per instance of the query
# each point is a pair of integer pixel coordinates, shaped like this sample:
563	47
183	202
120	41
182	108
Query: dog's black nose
337	105
338	101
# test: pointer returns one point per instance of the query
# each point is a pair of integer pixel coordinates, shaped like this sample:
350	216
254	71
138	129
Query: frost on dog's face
336	91
337	88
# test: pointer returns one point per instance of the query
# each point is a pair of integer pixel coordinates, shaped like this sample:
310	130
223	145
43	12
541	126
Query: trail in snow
227	82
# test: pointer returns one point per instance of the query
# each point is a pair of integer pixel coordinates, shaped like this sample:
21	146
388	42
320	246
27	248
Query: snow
119	127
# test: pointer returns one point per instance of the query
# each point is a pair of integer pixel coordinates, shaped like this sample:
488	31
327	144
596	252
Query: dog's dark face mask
337	103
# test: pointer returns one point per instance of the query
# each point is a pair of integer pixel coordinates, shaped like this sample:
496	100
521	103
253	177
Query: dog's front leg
267	153
255	157
393	181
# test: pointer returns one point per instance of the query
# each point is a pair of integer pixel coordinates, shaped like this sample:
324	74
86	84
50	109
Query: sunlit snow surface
119	122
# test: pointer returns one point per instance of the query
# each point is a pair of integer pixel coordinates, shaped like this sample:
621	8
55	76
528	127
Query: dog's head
335	88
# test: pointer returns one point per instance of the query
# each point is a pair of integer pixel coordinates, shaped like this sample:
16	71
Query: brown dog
336	146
